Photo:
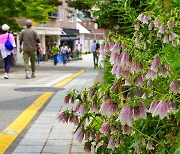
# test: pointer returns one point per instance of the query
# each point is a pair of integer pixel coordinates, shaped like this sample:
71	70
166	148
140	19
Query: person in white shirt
64	51
68	52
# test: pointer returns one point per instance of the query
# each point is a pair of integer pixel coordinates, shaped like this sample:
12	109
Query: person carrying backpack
94	49
7	45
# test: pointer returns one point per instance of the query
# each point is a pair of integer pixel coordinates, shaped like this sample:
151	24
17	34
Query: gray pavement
47	134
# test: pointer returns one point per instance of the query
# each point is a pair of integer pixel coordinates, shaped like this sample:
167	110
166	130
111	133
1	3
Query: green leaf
178	138
100	149
177	150
163	151
177	115
134	145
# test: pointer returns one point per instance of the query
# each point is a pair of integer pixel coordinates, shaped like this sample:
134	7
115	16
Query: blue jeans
7	63
55	59
38	58
64	57
95	58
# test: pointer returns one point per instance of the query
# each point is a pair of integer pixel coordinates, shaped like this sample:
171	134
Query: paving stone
36	136
39	131
47	121
28	149
77	143
60	137
77	148
48	114
58	142
51	109
57	149
31	142
62	131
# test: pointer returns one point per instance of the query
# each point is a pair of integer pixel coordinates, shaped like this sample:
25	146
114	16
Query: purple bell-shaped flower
153	106
111	143
151	74
139	81
104	128
161	109
79	134
155	64
174	87
170	24
125	116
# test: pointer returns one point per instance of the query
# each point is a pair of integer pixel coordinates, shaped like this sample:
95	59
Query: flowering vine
138	110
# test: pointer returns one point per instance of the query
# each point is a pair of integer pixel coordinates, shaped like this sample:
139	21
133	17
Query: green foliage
150	132
33	9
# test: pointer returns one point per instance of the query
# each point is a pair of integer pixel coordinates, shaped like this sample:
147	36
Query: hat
28	22
5	27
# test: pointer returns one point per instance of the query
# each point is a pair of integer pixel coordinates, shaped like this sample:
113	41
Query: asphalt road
17	93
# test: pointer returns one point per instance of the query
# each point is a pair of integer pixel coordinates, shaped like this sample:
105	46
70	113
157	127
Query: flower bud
150	26
155	64
79	134
139	81
166	39
111	143
151	74
174	87
104	128
67	99
170	24
87	147
172	107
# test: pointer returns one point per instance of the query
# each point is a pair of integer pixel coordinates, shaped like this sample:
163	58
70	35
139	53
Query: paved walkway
47	134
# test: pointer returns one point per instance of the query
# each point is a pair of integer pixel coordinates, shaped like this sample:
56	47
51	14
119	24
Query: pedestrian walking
7	39
94	49
68	53
28	39
55	51
64	53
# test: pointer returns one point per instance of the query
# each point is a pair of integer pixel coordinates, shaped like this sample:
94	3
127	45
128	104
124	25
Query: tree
111	14
119	15
36	10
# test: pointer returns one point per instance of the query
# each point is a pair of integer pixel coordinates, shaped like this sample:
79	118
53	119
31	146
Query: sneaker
27	75
33	76
6	76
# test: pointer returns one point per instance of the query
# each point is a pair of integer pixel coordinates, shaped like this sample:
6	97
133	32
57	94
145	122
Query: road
17	93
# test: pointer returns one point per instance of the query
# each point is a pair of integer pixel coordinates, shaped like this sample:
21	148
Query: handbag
8	44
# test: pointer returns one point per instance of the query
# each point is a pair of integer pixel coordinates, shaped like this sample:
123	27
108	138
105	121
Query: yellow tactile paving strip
22	121
67	80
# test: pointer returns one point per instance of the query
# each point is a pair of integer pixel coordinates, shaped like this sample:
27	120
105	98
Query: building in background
60	28
64	27
81	43
68	18
95	33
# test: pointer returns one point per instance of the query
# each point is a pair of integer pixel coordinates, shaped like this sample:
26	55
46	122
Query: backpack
8	44
97	46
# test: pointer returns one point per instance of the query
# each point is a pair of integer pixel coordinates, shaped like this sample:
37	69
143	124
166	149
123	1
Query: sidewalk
47	135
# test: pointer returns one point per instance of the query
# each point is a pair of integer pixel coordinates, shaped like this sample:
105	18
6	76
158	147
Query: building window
71	17
53	14
61	15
